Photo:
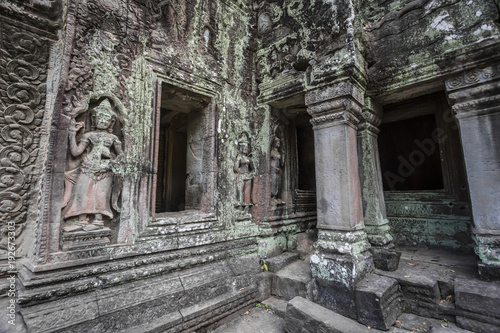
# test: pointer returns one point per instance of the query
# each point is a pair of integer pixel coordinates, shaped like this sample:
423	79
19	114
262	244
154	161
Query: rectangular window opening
410	155
180	153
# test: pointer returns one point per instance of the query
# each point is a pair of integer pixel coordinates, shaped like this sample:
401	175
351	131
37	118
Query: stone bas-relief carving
91	192
277	163
244	168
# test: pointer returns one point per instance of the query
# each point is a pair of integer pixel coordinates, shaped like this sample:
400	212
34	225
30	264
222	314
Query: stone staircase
422	295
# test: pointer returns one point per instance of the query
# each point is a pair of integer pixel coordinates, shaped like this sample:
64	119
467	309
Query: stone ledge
303	316
274	264
276	305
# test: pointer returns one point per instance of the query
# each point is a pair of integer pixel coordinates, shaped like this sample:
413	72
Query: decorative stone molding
488	251
339	104
339	117
475	92
473	77
22	101
342	242
370	117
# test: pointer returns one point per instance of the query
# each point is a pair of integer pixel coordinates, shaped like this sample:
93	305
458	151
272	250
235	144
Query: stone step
253	321
304	316
421	295
414	323
478	305
276	305
274	264
192	318
378	301
293	280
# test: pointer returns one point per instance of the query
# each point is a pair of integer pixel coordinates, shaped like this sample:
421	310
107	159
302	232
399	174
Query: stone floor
256	320
416	265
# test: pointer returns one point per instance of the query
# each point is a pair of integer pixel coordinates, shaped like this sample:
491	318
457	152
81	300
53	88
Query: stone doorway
422	167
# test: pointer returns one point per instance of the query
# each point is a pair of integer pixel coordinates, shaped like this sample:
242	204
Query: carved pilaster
375	218
342	257
23	72
475	100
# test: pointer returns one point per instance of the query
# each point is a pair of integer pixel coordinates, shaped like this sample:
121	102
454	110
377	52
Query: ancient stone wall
91	89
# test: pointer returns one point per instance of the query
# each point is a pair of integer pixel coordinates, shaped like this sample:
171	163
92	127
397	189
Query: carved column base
82	240
383	250
488	251
379	234
342	260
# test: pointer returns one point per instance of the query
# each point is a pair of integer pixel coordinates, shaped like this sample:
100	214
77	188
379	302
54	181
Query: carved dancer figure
91	183
277	162
245	169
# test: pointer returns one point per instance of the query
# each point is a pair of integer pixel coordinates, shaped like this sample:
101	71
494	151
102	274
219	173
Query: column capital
371	116
338	104
475	92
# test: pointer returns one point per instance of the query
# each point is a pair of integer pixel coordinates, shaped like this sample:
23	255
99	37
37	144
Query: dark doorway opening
171	177
181	137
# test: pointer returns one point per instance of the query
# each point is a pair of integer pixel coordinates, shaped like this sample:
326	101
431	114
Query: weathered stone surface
233	77
305	316
274	264
378	301
293	280
476	326
305	243
413	323
336	297
264	281
386	260
477	302
420	290
445	327
276	305
478	296
254	320
335	278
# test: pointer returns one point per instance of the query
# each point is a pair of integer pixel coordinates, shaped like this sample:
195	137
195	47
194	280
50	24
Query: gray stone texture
276	263
293	280
477	304
378	301
276	306
252	321
303	316
385	259
231	67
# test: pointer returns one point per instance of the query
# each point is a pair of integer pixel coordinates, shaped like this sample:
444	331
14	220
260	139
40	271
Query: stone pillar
343	256
375	219
475	100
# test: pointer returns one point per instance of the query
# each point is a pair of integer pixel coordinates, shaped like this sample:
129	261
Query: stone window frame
444	120
207	212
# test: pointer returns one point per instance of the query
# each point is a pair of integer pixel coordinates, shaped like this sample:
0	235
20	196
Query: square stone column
343	256
475	100
376	224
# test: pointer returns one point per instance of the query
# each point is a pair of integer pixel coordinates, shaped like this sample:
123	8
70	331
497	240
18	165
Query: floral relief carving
23	72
